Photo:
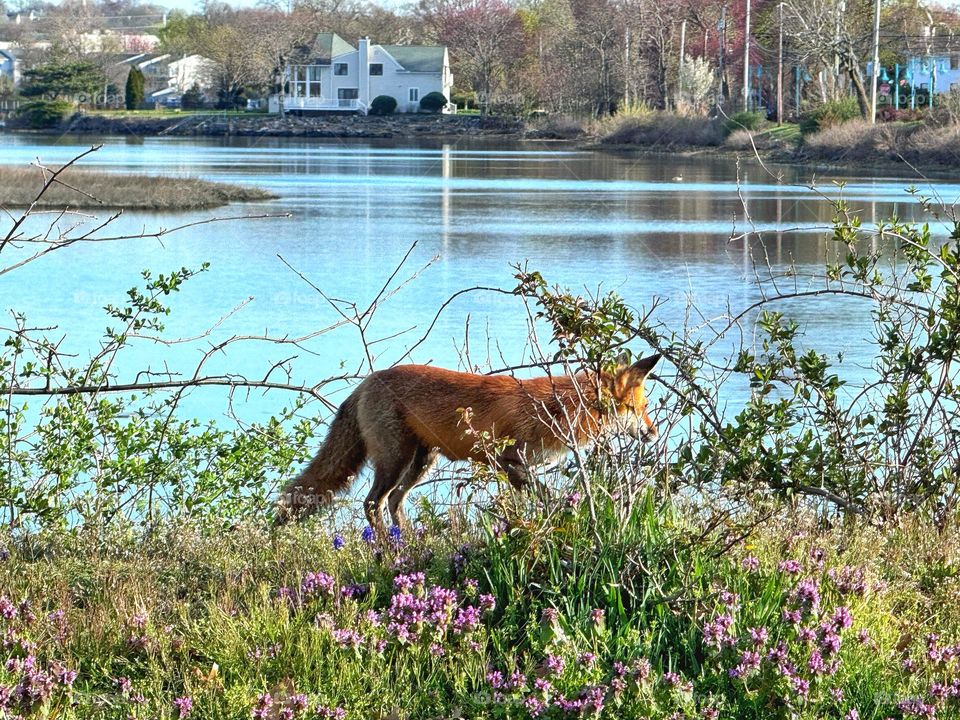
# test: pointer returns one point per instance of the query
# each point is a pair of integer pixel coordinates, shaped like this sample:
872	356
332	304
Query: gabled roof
325	47
418	58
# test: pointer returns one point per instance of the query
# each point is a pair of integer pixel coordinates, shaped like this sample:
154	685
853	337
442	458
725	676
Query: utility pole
780	71
683	42
723	51
626	67
876	63
746	62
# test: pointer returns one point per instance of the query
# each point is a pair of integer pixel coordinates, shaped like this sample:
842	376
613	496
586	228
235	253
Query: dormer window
376	68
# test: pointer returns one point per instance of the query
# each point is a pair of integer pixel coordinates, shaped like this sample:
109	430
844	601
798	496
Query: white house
332	75
182	75
10	66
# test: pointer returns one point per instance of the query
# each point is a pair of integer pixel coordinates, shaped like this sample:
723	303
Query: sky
194	5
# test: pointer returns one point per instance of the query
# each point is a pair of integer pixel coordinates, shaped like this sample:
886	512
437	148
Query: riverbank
19	187
257	125
929	146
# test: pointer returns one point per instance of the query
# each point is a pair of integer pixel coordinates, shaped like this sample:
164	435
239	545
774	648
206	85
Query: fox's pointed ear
643	366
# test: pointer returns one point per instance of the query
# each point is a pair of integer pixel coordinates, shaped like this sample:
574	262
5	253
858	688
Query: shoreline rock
324	126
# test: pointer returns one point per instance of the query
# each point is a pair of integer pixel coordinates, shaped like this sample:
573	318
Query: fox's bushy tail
332	469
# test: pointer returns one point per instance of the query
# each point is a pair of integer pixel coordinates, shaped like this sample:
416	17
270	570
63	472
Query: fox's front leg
511	462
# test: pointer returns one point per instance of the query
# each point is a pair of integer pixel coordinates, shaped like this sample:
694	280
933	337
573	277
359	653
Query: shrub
464	99
433	102
739	140
192	99
45	113
383	105
889	114
558	127
744	121
133	93
833	112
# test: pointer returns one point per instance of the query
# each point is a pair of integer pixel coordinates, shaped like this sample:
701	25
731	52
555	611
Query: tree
133	96
696	83
77	82
833	36
183	34
485	36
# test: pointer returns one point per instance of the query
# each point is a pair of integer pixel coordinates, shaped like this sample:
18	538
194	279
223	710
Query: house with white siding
10	66
331	75
183	74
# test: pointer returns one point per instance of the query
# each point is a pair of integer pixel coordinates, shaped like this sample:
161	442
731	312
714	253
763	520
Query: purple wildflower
791	567
487	602
495	679
405	583
368	535
842	618
641	669
759	636
750	563
184	706
338	541
801	686
261	710
555	664
317	583
719	631
792	617
535	706
807	595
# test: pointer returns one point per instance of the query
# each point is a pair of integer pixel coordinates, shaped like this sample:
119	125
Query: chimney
363	71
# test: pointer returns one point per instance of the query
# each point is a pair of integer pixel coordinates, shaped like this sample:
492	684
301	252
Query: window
305	81
955	62
339	68
346	97
376	68
414	94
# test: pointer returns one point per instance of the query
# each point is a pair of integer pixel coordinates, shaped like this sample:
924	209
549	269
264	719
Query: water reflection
584	219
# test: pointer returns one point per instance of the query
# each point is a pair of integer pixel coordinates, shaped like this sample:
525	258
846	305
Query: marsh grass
859	141
569	610
19	186
659	129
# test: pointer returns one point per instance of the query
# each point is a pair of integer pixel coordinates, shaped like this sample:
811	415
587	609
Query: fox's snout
640	427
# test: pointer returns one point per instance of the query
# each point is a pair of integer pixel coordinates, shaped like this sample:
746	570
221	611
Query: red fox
402	418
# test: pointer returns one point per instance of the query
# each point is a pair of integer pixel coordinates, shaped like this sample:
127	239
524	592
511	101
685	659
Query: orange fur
402	418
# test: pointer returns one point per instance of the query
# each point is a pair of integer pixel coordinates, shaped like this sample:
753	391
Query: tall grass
19	187
860	141
661	130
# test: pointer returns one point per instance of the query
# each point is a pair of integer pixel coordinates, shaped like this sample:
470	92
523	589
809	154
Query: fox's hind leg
413	475
389	464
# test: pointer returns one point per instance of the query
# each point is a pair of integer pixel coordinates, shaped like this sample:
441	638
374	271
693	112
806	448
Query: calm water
644	227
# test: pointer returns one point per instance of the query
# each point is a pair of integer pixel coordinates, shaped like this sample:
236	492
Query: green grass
600	603
789	132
